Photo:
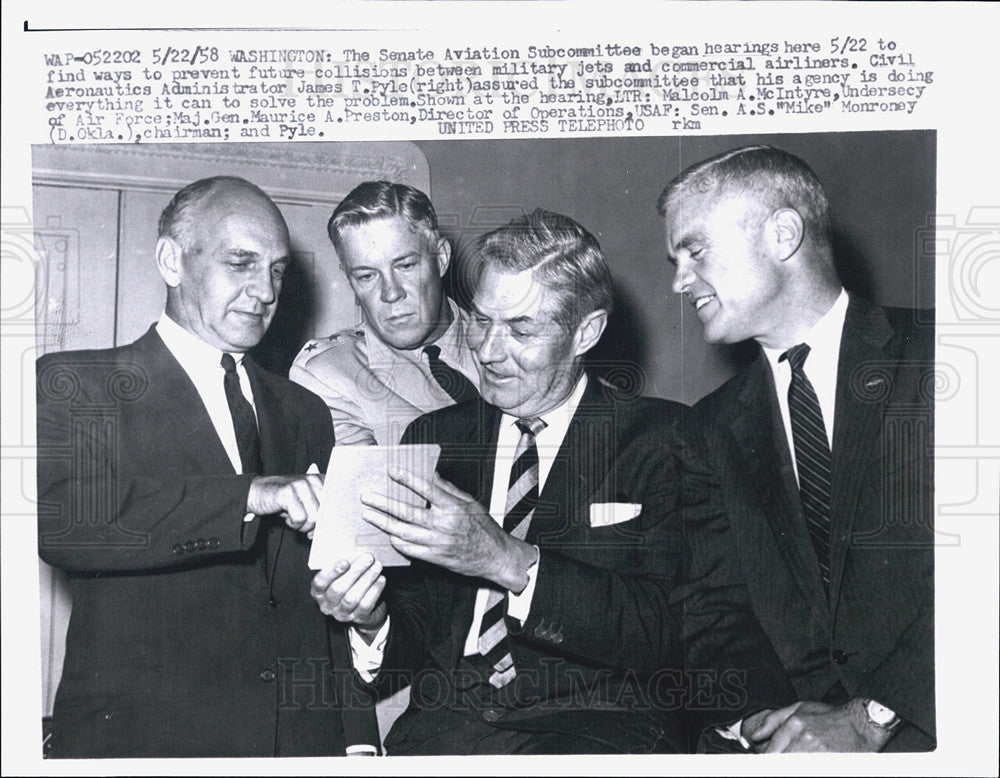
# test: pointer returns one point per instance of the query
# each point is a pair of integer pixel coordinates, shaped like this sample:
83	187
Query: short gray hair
565	258
777	179
175	220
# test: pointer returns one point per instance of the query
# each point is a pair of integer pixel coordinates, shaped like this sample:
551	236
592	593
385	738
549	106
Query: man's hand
455	532
352	593
814	726
294	497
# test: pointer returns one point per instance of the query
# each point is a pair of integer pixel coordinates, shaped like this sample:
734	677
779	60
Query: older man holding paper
535	616
172	488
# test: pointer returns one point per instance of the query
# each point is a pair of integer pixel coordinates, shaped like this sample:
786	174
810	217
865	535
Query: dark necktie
458	387
812	457
244	421
522	496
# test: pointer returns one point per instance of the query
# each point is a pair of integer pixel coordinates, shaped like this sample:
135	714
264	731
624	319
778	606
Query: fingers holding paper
351	592
294	497
454	531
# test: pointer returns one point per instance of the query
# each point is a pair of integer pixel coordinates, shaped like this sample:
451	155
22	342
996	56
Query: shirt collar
824	334
191	351
558	419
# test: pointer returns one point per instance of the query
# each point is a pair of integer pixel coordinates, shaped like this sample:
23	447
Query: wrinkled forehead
237	211
383	238
507	294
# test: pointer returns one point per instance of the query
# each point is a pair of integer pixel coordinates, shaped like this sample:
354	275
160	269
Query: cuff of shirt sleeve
519	605
367	657
361	750
735	732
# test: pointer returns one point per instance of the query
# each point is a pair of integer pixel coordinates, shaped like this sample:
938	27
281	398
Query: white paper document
341	532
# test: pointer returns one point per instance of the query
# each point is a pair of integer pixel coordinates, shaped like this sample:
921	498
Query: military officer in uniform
409	356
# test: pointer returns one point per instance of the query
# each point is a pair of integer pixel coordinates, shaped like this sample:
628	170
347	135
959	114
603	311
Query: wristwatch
882	717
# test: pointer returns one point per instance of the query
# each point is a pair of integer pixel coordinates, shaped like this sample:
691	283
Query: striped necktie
522	496
812	457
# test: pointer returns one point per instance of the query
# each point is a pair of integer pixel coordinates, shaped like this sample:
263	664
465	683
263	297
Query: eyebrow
514	320
393	261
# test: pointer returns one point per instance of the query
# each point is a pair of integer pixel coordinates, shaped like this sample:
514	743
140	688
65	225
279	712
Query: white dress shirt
368	658
820	368
203	364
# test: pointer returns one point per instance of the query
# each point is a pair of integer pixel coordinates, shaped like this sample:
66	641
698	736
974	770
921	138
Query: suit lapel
756	425
581	466
278	432
866	372
190	428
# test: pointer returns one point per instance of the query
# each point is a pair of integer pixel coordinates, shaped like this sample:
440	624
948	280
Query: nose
390	290
265	286
682	276
490	346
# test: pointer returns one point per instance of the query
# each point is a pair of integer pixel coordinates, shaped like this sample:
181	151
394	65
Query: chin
404	344
244	341
506	401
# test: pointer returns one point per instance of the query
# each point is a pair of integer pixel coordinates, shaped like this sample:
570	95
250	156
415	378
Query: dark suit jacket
599	652
192	633
753	597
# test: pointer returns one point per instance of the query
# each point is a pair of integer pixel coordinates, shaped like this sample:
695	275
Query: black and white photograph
424	292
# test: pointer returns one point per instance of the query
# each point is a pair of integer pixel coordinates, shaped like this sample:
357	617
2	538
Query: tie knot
228	363
796	356
531	426
433	351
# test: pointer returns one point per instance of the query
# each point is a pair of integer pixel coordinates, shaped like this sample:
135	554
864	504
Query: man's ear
785	233
589	331
443	256
169	260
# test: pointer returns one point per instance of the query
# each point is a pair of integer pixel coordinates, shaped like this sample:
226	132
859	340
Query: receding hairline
183	210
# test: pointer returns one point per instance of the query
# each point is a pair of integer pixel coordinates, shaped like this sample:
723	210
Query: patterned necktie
458	387
812	457
244	420
522	496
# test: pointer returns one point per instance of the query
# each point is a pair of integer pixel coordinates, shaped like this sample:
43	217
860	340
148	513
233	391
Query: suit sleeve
96	513
410	605
730	663
904	681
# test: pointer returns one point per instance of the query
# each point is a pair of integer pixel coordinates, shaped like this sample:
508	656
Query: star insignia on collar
311	346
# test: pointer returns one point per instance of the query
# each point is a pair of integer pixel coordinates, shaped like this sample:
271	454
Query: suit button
213	542
557	638
839	657
491	715
201	543
267	674
272	602
178	548
189	546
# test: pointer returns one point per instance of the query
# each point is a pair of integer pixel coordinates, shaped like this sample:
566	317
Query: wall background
881	187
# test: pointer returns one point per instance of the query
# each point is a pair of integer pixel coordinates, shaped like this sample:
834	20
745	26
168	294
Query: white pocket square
604	514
